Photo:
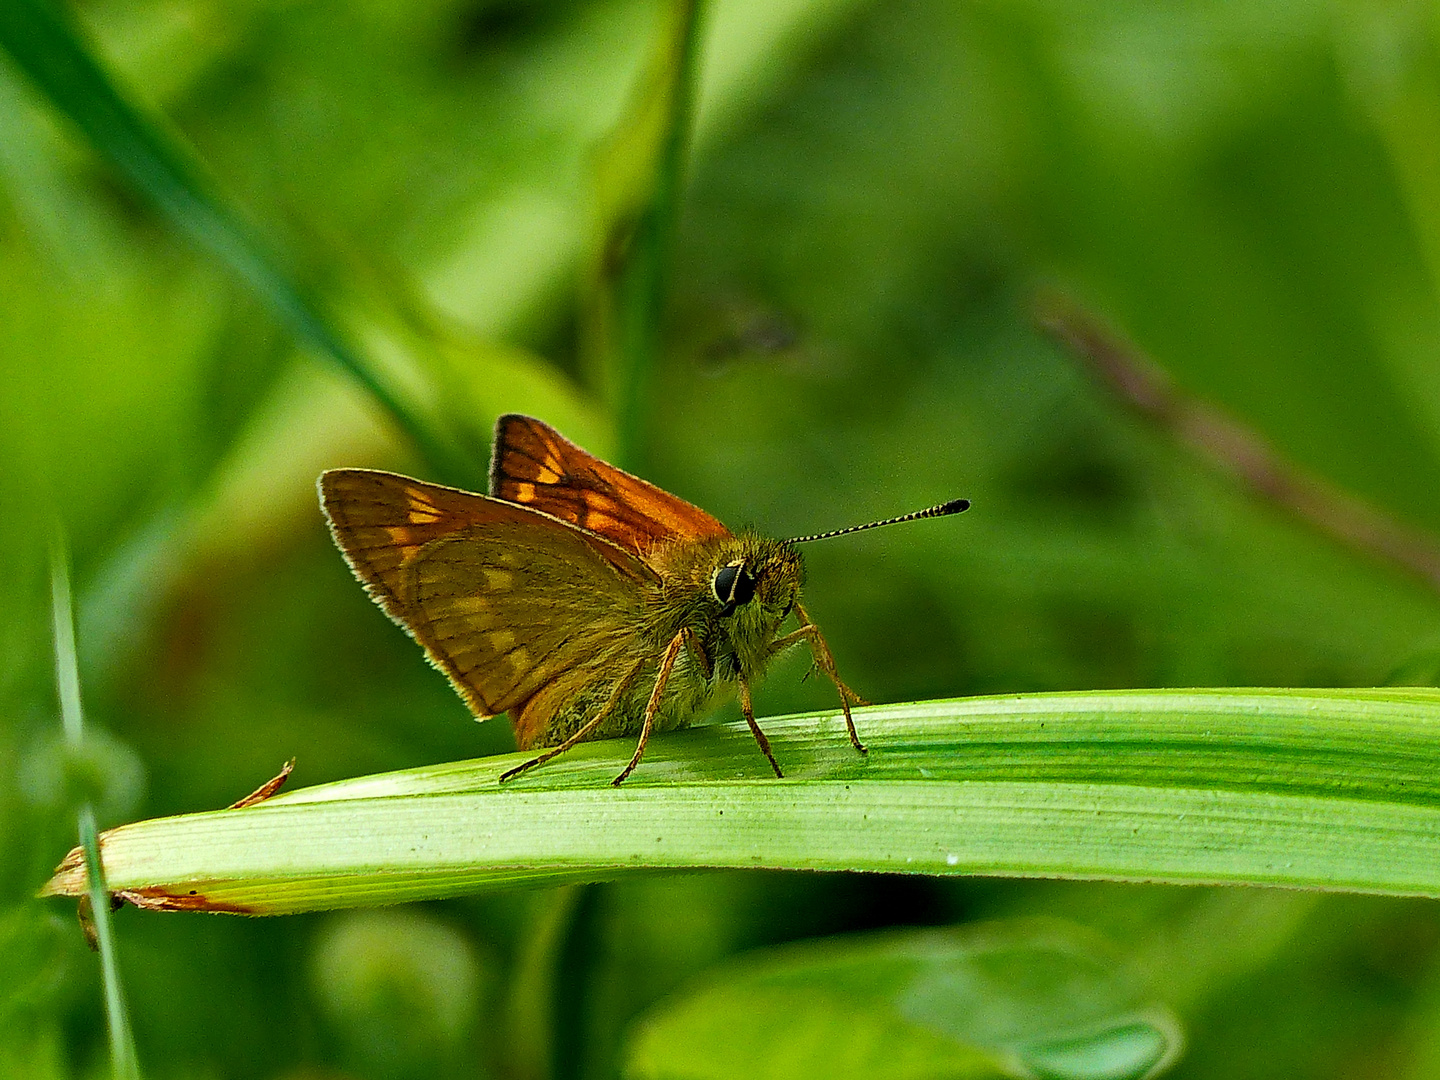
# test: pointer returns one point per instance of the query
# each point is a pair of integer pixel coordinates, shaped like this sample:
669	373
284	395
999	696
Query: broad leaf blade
1333	789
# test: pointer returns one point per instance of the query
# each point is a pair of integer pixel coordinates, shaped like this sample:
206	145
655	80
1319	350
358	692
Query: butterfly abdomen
689	694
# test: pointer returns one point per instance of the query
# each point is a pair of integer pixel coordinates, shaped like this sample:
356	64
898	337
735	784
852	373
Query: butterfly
582	600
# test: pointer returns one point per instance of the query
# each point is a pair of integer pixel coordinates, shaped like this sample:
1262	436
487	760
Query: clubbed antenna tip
954	506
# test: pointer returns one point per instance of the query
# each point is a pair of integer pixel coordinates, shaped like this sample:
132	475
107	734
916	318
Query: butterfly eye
732	586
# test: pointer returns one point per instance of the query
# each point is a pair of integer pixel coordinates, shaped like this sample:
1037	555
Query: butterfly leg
590	725
810	633
667	664
749	710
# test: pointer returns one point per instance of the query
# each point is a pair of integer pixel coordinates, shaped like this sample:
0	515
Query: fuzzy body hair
734	646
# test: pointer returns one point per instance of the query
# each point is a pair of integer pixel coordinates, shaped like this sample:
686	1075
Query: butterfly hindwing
505	600
508	609
534	465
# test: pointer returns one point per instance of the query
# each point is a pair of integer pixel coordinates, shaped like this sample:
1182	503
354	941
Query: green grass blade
62	623
124	1062
48	48
1331	789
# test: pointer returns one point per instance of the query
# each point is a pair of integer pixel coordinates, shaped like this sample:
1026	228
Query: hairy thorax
726	643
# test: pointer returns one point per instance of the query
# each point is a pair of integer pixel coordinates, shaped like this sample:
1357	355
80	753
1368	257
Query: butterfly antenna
954	506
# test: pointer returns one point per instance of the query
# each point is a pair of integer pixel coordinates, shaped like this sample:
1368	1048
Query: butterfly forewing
381	521
505	599
534	465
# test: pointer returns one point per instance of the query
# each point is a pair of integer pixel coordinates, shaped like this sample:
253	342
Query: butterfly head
754	584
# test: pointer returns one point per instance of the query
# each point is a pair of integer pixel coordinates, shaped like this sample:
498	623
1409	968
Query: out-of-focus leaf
1021	999
1399	89
400	990
639	174
47	47
37	955
33	945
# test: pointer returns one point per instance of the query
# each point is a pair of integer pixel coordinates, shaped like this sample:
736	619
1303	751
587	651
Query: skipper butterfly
581	600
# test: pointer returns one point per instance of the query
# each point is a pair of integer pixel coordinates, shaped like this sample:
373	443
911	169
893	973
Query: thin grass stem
124	1062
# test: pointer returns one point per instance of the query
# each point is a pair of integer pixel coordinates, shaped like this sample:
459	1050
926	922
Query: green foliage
189	191
995	1000
391	982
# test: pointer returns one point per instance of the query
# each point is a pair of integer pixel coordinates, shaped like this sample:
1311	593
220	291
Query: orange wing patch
534	465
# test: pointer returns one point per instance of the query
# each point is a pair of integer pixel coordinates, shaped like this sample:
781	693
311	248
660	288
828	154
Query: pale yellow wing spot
421	509
402	537
454	606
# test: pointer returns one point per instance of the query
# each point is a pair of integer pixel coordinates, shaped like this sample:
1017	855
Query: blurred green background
1248	191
